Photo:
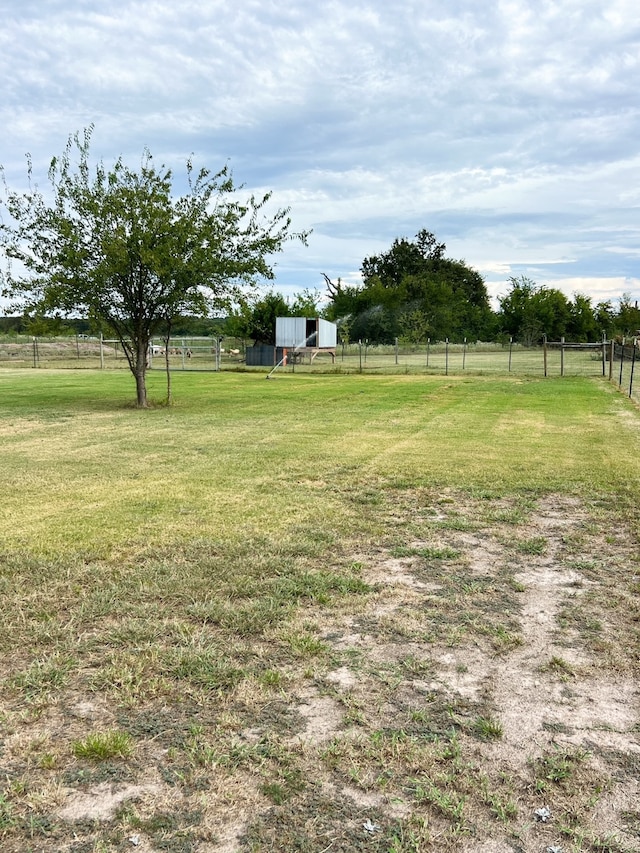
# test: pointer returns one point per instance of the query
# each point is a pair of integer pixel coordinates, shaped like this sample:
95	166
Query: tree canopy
529	312
256	318
117	246
413	292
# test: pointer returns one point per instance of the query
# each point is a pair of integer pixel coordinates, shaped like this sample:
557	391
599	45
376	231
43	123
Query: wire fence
622	364
559	358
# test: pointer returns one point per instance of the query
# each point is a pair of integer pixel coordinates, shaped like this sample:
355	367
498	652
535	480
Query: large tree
530	311
412	291
117	245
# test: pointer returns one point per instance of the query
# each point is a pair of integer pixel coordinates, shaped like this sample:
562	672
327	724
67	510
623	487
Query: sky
509	129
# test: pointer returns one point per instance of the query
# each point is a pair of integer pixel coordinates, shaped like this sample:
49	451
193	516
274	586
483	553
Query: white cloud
509	129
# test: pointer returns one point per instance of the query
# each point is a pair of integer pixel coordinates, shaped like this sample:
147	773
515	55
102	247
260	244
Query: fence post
510	351
396	346
464	353
611	357
35	351
428	345
621	362
633	364
360	353
562	356
101	354
544	354
446	357
604	352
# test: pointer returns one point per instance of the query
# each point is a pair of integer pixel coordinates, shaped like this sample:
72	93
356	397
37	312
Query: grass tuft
101	746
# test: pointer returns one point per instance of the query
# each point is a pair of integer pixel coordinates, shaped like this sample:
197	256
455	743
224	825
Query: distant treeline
413	292
186	327
410	293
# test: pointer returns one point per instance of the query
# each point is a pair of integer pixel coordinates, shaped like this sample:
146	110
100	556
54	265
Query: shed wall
327	333
291	331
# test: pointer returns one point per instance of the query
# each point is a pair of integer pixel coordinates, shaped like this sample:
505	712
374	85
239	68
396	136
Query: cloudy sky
509	128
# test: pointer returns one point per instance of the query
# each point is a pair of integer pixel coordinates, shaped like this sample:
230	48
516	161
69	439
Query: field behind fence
609	360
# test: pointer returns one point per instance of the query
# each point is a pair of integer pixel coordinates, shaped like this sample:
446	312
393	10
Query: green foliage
306	303
257	320
628	319
529	312
413	292
118	246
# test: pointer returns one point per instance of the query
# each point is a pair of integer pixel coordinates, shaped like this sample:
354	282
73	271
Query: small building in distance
296	337
301	336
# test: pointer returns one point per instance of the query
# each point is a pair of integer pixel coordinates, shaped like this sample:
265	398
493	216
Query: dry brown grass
456	685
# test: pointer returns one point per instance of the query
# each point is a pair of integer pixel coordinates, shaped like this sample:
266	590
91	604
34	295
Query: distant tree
516	311
628	316
553	311
605	317
13	325
583	325
529	311
402	259
257	319
412	290
116	245
414	325
306	303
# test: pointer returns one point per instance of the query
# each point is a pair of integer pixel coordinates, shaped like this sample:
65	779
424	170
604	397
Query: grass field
475	358
318	613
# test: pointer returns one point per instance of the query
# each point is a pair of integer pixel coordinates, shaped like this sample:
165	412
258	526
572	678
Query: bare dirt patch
480	694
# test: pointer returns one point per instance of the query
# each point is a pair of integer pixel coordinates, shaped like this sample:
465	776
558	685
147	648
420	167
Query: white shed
302	332
304	336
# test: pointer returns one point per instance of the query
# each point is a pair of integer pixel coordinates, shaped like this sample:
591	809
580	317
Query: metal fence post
611	356
621	362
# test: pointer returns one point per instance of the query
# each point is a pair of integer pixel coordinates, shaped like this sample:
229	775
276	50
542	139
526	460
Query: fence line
554	358
622	364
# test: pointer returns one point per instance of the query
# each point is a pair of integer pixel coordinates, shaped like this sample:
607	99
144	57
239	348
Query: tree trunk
141	388
140	375
167	341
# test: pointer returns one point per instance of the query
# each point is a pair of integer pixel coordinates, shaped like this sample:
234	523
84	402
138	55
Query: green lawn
82	470
183	586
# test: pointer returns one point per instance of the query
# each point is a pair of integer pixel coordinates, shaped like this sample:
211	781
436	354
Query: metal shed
305	333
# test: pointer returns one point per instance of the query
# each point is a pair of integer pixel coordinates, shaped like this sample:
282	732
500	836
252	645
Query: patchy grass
100	746
346	613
